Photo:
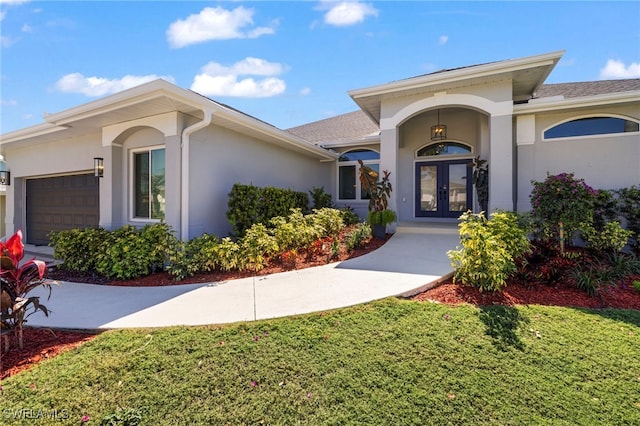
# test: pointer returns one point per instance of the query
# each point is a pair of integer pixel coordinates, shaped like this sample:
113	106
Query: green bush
562	199
256	247
629	208
355	237
249	205
78	249
320	199
196	255
228	254
612	237
489	250
294	231
349	217
328	220
133	253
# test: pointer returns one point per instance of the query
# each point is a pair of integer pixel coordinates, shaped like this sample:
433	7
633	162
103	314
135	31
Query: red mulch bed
39	344
44	343
622	296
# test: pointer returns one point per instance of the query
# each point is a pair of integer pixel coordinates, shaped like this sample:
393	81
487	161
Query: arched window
444	148
589	126
349	171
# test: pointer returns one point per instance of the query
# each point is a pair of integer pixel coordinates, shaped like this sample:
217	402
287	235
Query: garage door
60	203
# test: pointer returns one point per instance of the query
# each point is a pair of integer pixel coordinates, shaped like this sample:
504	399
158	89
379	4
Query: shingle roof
346	127
357	125
588	88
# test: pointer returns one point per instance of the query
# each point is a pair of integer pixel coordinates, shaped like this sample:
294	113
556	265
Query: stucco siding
604	162
219	158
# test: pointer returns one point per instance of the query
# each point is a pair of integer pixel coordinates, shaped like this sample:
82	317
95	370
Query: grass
387	362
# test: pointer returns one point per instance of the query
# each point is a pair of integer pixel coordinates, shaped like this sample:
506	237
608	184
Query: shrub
249	205
328	220
636	285
489	250
228	254
256	247
17	280
320	199
196	255
133	253
355	237
562	199
294	231
349	217
612	237
605	208
629	208
79	249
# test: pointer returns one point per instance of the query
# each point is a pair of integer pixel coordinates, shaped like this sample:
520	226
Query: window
349	173
591	126
444	148
148	182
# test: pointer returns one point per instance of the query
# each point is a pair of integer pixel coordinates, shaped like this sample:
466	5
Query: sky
289	62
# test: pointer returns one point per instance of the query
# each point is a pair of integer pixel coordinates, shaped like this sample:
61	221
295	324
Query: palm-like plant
16	282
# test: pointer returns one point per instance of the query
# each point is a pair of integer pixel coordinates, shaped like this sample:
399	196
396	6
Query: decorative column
501	163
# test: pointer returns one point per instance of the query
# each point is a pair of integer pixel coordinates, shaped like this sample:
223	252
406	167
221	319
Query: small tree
481	182
379	191
16	282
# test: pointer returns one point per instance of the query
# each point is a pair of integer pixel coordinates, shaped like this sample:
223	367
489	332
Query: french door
443	188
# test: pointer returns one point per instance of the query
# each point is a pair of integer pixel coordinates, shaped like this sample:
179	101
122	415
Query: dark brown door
61	203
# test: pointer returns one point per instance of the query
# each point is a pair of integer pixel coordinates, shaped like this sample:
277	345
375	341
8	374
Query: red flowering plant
17	280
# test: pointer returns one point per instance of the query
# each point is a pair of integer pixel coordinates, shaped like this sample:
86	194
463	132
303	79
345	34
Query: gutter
184	170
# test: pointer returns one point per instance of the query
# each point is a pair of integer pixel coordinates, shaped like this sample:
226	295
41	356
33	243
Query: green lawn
386	363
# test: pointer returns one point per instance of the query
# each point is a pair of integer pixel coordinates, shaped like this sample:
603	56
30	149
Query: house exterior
170	154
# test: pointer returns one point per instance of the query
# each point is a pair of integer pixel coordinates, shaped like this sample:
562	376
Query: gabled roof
150	99
527	75
348	127
357	125
588	88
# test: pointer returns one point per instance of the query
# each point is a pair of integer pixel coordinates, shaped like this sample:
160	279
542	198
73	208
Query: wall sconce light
5	174
98	167
439	131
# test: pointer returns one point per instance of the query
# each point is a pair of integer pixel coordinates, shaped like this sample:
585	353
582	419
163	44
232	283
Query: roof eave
478	71
581	102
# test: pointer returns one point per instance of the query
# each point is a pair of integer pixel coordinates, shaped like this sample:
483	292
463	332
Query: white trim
477	71
595	136
355	163
131	183
581	102
451	156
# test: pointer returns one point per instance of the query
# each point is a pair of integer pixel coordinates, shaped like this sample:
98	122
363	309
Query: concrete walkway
412	260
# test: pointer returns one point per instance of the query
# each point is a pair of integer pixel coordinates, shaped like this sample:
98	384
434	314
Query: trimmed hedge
250	204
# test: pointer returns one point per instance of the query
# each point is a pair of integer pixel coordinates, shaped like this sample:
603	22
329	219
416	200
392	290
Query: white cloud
443	39
26	28
7	41
99	86
3	13
215	23
219	80
345	13
305	91
617	69
8	102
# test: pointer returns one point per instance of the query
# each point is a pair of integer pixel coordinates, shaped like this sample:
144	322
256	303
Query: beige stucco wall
219	158
62	157
604	162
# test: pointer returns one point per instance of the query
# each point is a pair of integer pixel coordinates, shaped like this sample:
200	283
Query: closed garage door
60	203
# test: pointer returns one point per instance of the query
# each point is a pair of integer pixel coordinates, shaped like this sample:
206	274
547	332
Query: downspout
184	171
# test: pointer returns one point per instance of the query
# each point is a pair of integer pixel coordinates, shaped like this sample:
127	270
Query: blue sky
288	62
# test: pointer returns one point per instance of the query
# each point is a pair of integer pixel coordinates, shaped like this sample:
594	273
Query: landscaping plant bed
39	344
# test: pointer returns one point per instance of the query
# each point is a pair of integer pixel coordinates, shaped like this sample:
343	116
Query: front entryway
443	188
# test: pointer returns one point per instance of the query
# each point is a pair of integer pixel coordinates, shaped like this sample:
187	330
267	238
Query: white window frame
131	184
358	198
599	135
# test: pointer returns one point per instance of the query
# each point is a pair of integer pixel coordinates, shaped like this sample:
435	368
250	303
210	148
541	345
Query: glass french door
443	188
